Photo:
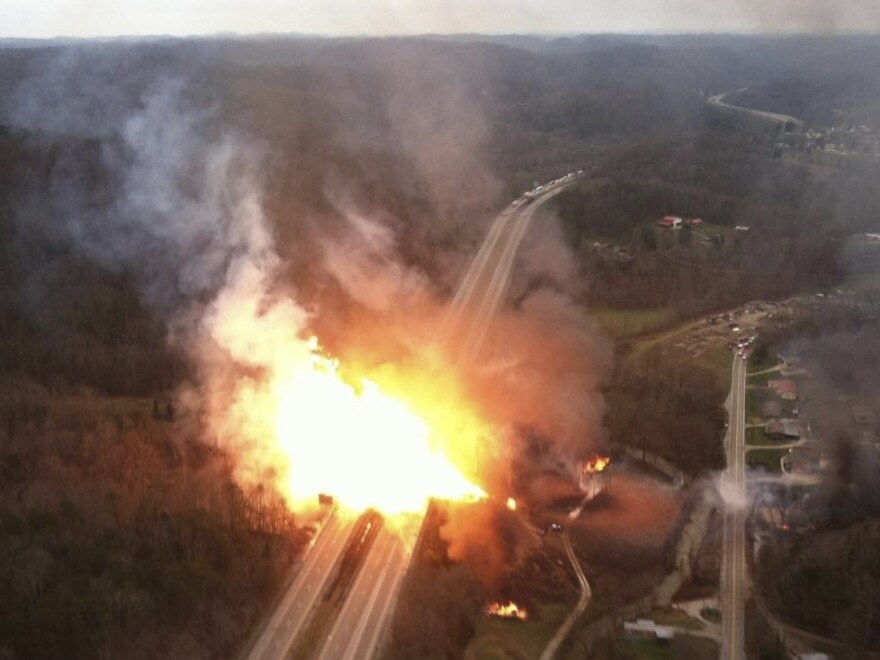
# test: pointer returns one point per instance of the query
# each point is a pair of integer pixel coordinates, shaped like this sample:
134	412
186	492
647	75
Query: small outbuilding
647	629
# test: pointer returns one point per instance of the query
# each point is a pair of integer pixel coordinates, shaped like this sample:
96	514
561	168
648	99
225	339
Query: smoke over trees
177	217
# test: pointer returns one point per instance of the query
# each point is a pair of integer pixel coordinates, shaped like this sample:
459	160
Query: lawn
755	398
766	458
629	322
671	616
717	358
755	436
710	229
644	650
614	241
863	282
497	639
683	647
720	360
768	362
761	379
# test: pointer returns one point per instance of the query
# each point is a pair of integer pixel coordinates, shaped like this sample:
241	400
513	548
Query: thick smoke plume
186	216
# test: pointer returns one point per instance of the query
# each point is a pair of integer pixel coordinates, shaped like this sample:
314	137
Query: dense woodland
121	533
669	408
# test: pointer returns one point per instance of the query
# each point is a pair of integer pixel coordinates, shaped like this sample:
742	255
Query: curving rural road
733	563
586	593
718	102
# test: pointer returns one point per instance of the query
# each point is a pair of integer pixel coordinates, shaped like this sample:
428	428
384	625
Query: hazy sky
85	18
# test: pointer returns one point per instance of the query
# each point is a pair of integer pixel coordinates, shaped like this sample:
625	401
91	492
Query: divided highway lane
480	293
291	614
358	628
369	605
733	567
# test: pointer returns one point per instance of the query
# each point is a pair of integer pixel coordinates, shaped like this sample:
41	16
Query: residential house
784	389
670	222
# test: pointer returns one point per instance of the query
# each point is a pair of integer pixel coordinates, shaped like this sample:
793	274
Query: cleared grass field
761	379
498	639
670	616
768	362
755	398
695	648
766	458
710	229
755	436
631	322
644	650
720	359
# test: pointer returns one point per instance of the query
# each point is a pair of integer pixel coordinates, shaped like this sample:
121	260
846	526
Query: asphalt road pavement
718	101
358	628
370	603
481	291
293	611
733	567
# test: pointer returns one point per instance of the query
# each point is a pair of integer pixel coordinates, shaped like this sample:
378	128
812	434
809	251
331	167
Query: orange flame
358	444
511	504
596	464
508	610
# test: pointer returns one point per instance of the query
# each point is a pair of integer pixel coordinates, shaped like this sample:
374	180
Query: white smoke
364	259
185	217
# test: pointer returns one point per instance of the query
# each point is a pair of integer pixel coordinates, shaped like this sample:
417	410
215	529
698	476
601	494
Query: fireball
358	444
388	437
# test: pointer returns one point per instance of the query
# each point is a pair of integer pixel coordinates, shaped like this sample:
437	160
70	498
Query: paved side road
733	566
584	600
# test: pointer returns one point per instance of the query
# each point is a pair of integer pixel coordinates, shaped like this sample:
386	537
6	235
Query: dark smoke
841	406
490	539
383	210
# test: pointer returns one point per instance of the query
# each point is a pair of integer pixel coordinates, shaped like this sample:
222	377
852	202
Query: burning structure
508	610
593	477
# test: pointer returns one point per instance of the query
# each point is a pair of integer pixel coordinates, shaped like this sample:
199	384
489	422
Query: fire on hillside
593	478
508	610
336	432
